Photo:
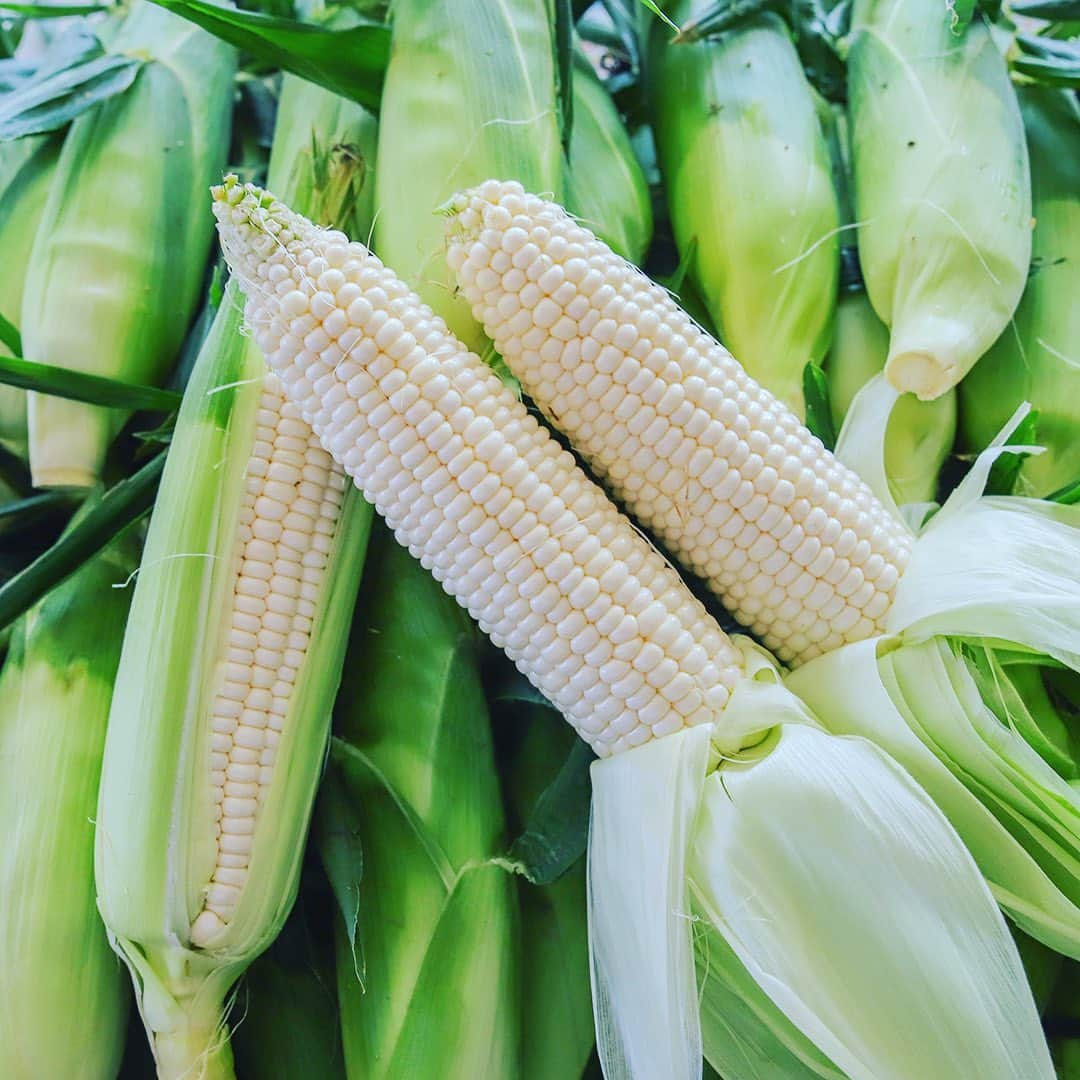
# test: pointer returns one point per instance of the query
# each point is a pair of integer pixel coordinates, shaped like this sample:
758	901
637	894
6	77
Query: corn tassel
750	193
602	625
469	93
605	186
942	193
119	258
1037	358
218	731
54	703
26	170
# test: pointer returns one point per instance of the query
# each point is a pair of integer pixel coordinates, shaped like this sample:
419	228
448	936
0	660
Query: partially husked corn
473	485
795	544
288	518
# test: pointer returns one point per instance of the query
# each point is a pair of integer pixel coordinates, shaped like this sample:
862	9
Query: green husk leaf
1051	10
43	106
818	410
120	507
10	336
77	385
350	62
52	11
557	830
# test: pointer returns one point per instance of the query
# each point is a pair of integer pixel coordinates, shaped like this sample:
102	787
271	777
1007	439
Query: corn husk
27	166
118	262
153	860
605	186
470	94
1037	357
988	598
750	192
426	956
54	703
555	998
942	192
920	433
833	878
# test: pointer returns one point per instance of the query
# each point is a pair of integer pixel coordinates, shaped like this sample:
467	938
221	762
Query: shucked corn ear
1037	357
794	544
605	186
942	193
27	166
474	86
920	433
492	463
502	517
54	702
722	472
750	192
119	258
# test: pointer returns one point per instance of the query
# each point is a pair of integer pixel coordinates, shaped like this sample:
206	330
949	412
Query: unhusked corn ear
942	188
473	485
470	92
63	993
1037	357
119	259
219	721
27	166
750	191
794	544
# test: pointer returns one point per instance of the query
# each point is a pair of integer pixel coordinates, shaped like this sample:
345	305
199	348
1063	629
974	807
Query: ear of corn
605	186
470	92
920	433
218	726
118	261
944	252
750	192
1037	357
793	543
454	462
54	702
26	171
427	989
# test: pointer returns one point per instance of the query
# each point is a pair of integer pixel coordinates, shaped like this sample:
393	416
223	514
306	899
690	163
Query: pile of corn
382	384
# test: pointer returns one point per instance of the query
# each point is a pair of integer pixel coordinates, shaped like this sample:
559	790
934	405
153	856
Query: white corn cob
473	485
795	544
288	518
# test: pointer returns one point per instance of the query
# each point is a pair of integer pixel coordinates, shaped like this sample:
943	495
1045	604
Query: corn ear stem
944	253
470	93
118	260
1037	357
55	689
750	192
